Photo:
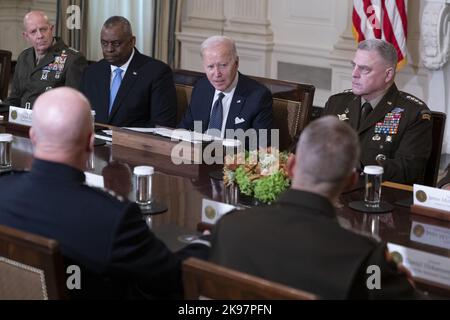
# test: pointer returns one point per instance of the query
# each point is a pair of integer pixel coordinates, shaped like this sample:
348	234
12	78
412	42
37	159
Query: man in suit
127	88
298	241
103	233
48	64
226	99
394	127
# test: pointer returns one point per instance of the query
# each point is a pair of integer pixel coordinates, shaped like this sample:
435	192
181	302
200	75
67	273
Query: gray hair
386	50
327	153
119	20
216	40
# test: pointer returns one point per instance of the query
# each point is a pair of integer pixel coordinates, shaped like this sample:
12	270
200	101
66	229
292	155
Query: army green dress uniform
397	133
61	66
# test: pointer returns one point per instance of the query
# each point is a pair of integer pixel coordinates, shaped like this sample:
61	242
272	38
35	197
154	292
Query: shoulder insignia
347	91
412	98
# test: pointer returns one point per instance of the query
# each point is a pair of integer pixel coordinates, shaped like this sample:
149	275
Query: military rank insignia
390	124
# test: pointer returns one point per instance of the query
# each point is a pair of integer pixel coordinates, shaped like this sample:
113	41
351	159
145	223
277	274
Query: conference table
182	189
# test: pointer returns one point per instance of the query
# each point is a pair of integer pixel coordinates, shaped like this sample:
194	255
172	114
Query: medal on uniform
343	117
347	110
44	74
57	75
48	88
376	137
389	139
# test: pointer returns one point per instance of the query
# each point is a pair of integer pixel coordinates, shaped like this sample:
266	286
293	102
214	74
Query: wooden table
183	187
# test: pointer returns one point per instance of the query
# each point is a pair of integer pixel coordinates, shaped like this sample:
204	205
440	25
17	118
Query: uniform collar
314	201
48	170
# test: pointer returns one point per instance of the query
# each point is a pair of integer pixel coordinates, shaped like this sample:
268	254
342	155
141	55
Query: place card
432	198
20	116
94	180
423	265
212	211
430	235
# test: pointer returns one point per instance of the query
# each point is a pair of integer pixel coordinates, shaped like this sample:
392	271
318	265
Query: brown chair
31	267
289	117
5	73
432	167
203	279
184	93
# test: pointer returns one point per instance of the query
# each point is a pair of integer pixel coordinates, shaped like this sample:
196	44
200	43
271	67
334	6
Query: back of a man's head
62	127
327	153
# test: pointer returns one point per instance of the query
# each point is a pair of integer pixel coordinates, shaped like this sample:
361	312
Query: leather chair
203	279
292	105
5	73
432	167
31	267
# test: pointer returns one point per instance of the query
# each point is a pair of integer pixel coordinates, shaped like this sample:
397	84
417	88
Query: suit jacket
299	242
102	233
252	102
405	142
145	98
61	66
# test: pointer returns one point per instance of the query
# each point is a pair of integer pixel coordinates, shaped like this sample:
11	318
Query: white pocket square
238	120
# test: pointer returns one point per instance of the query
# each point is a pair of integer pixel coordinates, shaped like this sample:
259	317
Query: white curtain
139	12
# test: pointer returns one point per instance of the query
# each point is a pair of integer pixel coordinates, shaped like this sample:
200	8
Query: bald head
62	127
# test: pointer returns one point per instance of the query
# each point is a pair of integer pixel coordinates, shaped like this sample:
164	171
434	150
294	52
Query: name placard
423	265
433	198
20	116
213	210
430	235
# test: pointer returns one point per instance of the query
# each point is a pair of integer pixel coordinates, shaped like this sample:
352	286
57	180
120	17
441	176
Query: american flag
382	19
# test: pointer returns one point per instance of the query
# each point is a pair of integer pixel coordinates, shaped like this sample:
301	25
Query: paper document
177	134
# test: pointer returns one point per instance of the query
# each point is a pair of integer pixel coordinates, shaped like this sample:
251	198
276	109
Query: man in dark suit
298	241
127	88
394	127
103	233
48	64
226	99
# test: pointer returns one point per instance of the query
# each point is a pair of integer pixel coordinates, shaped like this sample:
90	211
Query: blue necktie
115	87
215	122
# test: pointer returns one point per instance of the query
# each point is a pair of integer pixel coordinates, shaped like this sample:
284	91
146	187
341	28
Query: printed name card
430	235
433	198
423	265
212	211
20	116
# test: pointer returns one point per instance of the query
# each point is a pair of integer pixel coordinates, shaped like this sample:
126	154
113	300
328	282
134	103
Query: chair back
432	167
289	117
31	267
203	279
5	73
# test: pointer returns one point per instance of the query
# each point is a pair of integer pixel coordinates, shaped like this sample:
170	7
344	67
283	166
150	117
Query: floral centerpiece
261	174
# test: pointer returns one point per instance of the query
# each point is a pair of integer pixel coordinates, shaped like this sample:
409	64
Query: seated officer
48	64
102	233
394	127
298	241
226	99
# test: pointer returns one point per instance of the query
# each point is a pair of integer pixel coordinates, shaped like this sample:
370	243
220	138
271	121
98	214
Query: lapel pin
239	101
389	103
347	110
342	117
134	73
376	138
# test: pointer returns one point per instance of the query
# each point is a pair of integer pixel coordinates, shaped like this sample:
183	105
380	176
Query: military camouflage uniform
61	66
397	133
